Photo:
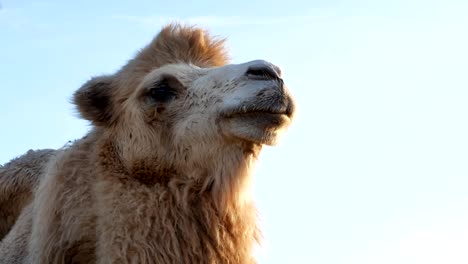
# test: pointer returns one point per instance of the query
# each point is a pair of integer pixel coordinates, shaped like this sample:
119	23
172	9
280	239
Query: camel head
178	103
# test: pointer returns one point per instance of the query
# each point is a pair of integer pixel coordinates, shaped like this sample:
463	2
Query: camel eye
162	92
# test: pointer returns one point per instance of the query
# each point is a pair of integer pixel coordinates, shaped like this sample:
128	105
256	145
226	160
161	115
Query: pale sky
375	168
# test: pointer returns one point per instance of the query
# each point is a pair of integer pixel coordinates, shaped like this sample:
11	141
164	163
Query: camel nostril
261	73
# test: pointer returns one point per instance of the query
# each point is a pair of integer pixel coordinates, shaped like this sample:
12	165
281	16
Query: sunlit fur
146	184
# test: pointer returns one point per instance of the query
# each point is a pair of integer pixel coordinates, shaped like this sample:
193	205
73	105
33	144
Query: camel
164	175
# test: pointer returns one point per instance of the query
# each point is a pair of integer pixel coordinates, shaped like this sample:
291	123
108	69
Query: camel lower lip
272	118
254	112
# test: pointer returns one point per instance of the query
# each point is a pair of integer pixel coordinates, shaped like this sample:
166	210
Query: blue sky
375	169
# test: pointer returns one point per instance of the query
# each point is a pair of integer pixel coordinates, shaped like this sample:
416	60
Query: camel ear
93	100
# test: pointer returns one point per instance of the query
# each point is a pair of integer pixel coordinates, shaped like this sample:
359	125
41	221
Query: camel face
178	103
190	106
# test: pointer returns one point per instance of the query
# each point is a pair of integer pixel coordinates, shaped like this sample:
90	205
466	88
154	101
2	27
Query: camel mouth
280	107
275	118
260	119
259	125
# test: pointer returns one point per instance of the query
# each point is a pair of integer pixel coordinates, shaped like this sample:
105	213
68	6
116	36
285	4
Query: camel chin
257	127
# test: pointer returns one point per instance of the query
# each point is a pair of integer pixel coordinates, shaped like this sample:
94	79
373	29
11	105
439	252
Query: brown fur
18	178
150	183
